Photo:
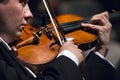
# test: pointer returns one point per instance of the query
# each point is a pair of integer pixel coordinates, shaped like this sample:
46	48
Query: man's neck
6	38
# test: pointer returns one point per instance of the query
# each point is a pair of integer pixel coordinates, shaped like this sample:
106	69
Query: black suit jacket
99	69
61	68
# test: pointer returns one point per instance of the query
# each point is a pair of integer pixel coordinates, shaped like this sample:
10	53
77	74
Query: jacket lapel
12	60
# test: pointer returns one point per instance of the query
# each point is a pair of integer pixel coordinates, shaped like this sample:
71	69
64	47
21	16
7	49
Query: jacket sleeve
61	68
98	69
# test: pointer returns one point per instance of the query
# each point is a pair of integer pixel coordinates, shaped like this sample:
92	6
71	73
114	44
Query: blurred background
83	8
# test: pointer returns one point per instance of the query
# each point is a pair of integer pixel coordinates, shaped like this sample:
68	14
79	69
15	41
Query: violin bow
52	15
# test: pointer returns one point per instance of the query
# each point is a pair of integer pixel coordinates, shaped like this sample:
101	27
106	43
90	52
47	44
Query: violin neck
114	17
76	25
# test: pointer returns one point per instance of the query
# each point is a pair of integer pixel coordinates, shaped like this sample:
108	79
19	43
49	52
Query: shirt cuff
102	57
70	55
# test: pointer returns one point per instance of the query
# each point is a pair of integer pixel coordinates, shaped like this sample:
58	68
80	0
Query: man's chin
18	35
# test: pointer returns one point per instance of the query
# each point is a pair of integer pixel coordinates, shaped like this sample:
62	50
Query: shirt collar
7	46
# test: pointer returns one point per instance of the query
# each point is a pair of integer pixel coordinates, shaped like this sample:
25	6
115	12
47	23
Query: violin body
46	49
38	53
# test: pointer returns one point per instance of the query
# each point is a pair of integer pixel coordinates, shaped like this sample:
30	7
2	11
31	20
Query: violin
40	46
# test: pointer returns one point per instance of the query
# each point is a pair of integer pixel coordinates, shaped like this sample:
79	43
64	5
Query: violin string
59	38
